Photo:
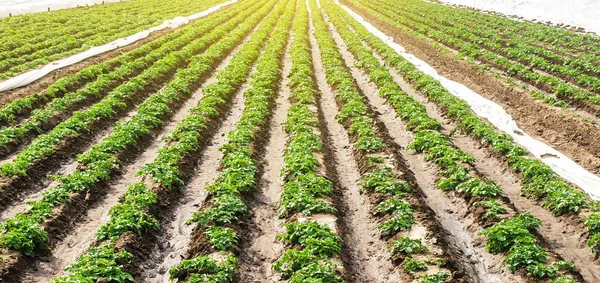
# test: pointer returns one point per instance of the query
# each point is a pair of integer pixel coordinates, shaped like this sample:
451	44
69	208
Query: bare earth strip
564	235
554	126
81	238
367	255
487	267
265	249
173	243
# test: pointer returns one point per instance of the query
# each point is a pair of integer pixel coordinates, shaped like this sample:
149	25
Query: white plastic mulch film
497	116
578	13
33	75
18	7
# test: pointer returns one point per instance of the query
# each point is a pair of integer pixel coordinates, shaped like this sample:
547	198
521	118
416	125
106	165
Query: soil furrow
63	161
575	138
462	236
82	236
264	249
172	245
565	235
485	266
277	152
366	256
488	166
71	145
173	242
64	168
18	187
42	84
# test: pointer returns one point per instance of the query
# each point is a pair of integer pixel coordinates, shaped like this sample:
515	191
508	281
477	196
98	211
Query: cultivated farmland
298	141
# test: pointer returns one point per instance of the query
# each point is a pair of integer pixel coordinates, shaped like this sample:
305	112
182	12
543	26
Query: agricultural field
298	141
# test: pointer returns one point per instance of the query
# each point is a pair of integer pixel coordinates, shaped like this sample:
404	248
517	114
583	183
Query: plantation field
299	141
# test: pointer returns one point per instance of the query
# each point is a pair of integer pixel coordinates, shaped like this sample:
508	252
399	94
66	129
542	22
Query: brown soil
483	266
573	137
64	236
455	258
255	231
42	84
144	248
365	255
264	249
565	78
447	222
172	244
565	236
15	188
82	236
487	165
20	204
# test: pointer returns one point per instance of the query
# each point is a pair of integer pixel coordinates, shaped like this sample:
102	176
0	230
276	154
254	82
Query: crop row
218	222
113	105
456	168
104	74
541	180
587	66
573	44
540	183
24	233
453	38
312	245
396	202
513	48
75	31
58	109
137	212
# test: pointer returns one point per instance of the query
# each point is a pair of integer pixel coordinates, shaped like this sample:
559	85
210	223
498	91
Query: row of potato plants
218	223
59	49
513	48
100	28
565	91
395	201
55	23
23	232
58	109
573	44
71	34
472	124
540	182
312	247
516	43
137	211
111	106
22	106
456	167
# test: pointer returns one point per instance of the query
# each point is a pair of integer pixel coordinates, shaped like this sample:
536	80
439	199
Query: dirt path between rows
81	237
42	84
573	137
264	249
66	167
564	236
32	186
365	255
173	242
481	265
